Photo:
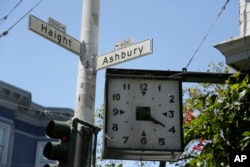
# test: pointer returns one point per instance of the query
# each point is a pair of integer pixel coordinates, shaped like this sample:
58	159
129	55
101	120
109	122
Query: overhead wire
2	20
7	31
205	37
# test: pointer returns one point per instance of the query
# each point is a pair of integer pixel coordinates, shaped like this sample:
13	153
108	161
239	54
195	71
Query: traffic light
62	149
75	146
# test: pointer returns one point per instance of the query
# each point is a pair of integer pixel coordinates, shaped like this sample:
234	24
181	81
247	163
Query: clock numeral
115	111
143	140
169	114
159	88
144	88
161	141
115	127
171	98
172	129
126	86
125	139
116	96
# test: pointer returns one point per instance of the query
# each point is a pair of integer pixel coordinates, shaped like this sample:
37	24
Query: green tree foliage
223	121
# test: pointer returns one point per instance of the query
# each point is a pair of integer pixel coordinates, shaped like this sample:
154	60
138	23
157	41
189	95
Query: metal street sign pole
86	79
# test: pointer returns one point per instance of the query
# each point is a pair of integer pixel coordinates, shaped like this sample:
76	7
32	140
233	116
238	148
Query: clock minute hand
156	121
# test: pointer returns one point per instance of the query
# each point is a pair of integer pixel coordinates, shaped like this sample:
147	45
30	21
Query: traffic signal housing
74	148
59	150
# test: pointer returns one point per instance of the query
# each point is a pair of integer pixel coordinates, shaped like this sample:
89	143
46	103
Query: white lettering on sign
119	56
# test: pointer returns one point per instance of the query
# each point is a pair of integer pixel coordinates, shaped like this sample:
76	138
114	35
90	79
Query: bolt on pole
86	79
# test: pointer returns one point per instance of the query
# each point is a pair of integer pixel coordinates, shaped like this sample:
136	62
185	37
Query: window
4	142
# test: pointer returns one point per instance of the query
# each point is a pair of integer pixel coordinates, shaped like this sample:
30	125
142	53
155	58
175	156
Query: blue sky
49	71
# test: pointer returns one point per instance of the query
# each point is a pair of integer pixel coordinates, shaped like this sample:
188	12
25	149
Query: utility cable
2	20
205	37
7	31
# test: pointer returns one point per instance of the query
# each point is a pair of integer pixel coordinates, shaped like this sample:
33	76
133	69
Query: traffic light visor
59	130
56	151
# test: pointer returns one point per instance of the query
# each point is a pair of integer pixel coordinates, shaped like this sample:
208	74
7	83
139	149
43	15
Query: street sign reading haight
44	29
119	56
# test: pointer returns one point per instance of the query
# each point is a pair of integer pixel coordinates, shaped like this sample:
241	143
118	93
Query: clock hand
156	121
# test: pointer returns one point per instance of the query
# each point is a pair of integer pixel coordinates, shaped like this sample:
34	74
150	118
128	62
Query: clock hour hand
156	121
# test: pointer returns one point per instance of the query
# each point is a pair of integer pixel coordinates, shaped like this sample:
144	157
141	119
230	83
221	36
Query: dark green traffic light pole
88	133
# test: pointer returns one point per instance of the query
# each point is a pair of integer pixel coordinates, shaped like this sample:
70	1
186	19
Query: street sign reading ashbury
125	54
44	29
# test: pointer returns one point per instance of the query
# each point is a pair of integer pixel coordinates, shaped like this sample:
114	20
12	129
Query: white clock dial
143	114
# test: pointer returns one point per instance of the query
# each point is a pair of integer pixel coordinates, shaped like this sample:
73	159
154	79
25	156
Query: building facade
22	127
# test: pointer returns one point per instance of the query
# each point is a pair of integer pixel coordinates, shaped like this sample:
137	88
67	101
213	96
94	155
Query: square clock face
143	113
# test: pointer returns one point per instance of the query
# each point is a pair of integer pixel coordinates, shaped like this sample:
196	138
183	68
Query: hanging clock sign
143	116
